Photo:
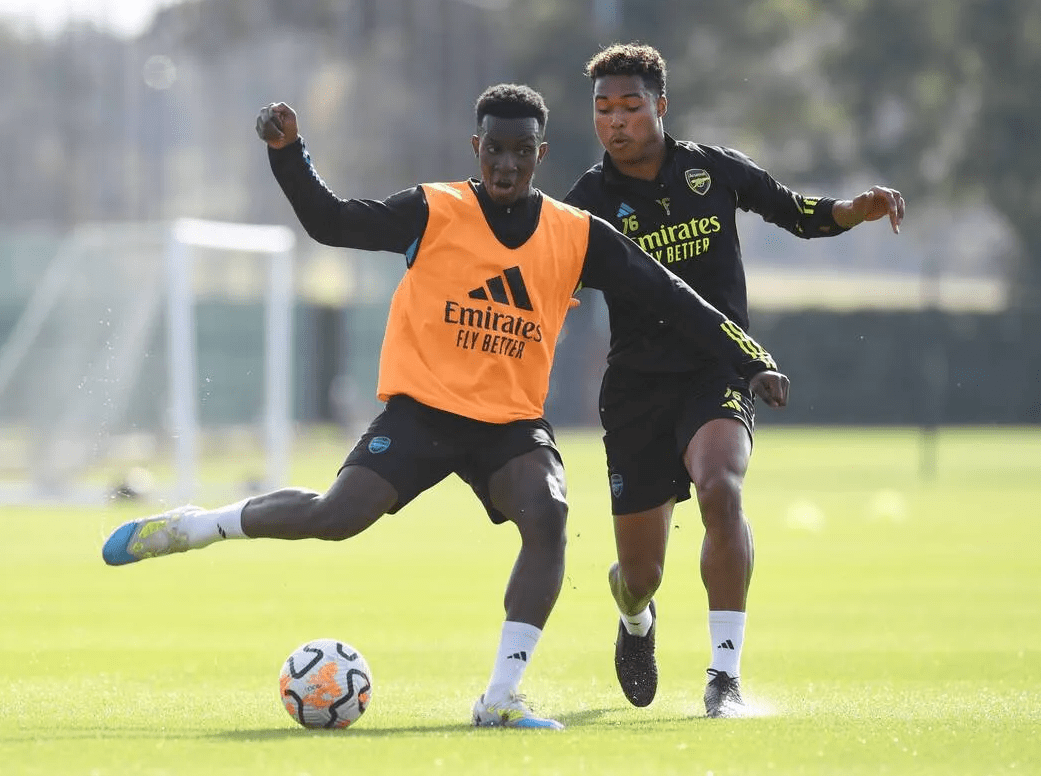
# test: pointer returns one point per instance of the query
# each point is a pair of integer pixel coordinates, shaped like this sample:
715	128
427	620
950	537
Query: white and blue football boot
148	537
510	713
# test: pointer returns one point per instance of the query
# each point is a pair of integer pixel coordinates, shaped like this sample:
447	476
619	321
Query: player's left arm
756	190
871	205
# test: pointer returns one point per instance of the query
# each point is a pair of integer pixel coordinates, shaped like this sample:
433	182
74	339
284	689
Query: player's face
508	150
628	118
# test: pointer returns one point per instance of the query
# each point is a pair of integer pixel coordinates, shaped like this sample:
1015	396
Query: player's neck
482	194
647	167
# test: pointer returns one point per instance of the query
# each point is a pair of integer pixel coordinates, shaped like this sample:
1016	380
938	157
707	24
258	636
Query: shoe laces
723	681
165	535
515	701
639	643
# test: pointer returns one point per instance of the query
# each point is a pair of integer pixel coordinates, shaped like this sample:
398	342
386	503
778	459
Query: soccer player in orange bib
672	415
490	268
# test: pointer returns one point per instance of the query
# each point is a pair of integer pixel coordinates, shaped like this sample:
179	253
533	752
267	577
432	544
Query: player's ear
476	141
543	150
663	106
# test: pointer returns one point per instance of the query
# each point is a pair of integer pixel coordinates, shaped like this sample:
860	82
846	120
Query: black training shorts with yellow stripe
414	447
649	419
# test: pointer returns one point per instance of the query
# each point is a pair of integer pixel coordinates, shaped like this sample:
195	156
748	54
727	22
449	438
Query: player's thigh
641	538
531	488
359	496
639	414
515	470
715	430
718	452
409	446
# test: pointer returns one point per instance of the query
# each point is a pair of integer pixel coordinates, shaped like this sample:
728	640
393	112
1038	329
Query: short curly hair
512	101
630	59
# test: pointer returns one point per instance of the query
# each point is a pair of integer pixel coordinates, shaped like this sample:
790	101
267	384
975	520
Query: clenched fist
276	125
771	387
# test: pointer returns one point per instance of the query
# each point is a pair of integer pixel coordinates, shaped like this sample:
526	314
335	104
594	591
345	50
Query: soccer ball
325	683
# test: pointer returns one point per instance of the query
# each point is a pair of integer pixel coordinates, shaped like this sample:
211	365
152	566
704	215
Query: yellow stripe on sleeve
748	345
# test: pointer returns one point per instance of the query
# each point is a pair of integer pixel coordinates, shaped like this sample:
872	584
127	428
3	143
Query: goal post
277	243
136	349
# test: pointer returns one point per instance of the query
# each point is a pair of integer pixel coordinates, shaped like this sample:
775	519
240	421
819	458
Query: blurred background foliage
941	100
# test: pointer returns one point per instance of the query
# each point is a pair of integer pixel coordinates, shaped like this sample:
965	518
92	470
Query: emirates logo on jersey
493	330
698	180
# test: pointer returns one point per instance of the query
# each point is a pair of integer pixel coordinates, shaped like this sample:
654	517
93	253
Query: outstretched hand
875	203
771	387
276	125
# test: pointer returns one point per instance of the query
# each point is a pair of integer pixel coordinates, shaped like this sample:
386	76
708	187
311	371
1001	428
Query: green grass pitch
894	628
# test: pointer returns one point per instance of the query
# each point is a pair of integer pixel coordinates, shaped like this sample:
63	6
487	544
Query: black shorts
649	419
414	447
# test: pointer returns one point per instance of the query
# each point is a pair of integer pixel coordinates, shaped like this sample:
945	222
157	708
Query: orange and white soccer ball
325	683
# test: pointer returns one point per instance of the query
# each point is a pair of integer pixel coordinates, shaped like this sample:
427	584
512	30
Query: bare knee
641	539
329	523
334	520
312	514
641	579
542	523
356	500
719	496
553	524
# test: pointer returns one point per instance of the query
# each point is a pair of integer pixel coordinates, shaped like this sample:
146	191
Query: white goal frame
278	243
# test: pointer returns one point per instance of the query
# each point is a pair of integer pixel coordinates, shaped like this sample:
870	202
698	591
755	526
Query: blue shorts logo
617	486
379	444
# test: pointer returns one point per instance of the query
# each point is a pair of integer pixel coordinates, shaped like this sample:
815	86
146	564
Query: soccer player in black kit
672	418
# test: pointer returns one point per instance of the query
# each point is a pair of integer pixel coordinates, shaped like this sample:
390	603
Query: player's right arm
616	264
394	224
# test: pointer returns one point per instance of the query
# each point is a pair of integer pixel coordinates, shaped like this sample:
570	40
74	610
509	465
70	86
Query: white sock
638	624
211	525
516	647
727	632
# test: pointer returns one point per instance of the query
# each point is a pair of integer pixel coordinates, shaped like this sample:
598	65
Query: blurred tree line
942	100
161	125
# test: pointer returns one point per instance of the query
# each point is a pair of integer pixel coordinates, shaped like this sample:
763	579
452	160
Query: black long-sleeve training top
613	263
686	220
